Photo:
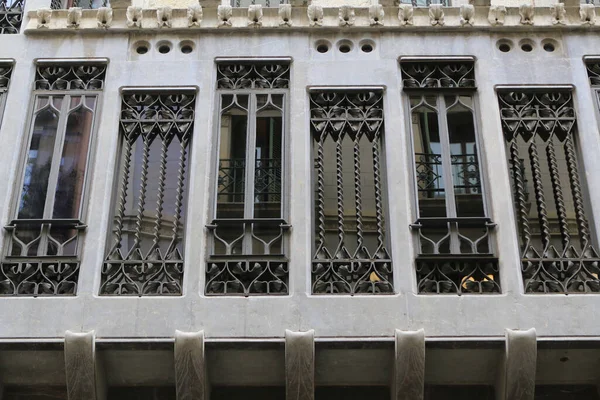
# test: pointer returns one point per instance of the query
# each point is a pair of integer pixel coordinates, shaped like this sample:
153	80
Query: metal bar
127	150
358	194
558	195
539	195
162	173
142	200
519	187
576	191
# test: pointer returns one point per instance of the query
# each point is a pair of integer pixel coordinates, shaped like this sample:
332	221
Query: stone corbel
558	14
527	12
497	15
300	365
194	15
405	14
134	17
83	378
516	378
346	16
409	365
436	15
224	14
587	14
164	16
104	17
467	14
255	15
190	366
315	15
285	15
74	17
376	14
44	16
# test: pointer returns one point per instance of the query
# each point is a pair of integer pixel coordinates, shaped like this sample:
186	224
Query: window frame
10	63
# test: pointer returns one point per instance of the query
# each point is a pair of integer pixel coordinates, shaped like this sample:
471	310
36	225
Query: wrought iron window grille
145	254
593	70
11	16
41	255
454	236
264	3
85	4
557	253
248	236
350	255
426	3
5	74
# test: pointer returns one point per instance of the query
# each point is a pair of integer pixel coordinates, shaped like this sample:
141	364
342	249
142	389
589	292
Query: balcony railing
86	4
11	15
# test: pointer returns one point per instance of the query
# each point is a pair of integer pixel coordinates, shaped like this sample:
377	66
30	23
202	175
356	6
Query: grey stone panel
80	365
409	372
516	379
190	367
300	365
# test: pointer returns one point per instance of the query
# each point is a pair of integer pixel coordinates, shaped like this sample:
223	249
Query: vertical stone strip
409	366
516	378
190	367
80	365
300	365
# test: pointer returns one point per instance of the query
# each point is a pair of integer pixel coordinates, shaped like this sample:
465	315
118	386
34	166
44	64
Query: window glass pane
463	156
232	157
267	174
39	159
428	158
69	188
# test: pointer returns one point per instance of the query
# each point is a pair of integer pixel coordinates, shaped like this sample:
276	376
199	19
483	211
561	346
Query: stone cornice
467	18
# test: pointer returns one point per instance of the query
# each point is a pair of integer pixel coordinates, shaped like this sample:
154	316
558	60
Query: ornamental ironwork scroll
70	77
43	241
146	246
268	75
557	252
351	255
454	235
438	75
11	16
247	238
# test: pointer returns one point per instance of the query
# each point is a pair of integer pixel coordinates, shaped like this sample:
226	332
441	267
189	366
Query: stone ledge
314	18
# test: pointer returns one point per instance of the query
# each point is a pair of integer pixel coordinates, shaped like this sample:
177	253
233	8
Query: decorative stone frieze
497	15
163	16
285	15
255	15
104	17
73	17
467	14
346	16
526	11
194	15
315	15
558	14
436	15
134	17
376	14
587	14
44	15
405	14
224	14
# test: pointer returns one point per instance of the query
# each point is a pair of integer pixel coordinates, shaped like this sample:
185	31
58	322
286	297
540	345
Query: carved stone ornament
405	14
315	15
558	14
346	15
164	16
255	15
44	15
74	17
376	14
497	15
467	13
104	17
587	14
526	11
436	15
134	17
194	15
285	15
224	13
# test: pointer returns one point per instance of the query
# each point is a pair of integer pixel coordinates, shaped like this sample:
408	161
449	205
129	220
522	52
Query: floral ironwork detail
459	276
11	16
70	77
146	255
556	245
253	76
42	258
438	75
339	121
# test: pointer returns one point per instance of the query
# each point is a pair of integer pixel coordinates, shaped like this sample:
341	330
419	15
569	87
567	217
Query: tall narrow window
145	253
42	247
5	73
557	253
11	15
247	235
453	231
350	255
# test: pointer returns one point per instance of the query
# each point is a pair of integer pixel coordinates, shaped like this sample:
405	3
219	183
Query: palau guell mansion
299	200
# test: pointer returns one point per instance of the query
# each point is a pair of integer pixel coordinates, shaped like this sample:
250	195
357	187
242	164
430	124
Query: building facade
304	201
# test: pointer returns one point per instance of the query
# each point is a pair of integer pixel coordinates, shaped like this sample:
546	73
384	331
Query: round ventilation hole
504	47
141	49
186	49
322	46
344	46
526	47
164	49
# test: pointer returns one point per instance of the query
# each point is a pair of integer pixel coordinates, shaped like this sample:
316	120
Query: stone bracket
83	381
300	365
409	365
190	366
516	378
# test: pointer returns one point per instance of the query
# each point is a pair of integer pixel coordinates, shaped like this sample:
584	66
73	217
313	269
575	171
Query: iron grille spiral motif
253	76
349	126
11	16
146	254
557	251
438	75
70	77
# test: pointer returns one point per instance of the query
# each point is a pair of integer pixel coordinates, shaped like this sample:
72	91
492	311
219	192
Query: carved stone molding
315	15
300	365
224	13
346	16
467	13
497	15
104	17
190	367
255	15
194	15
80	365
376	14
74	17
44	15
587	14
285	15
405	14
436	15
527	12
559	14
163	16
409	365
134	17
516	380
